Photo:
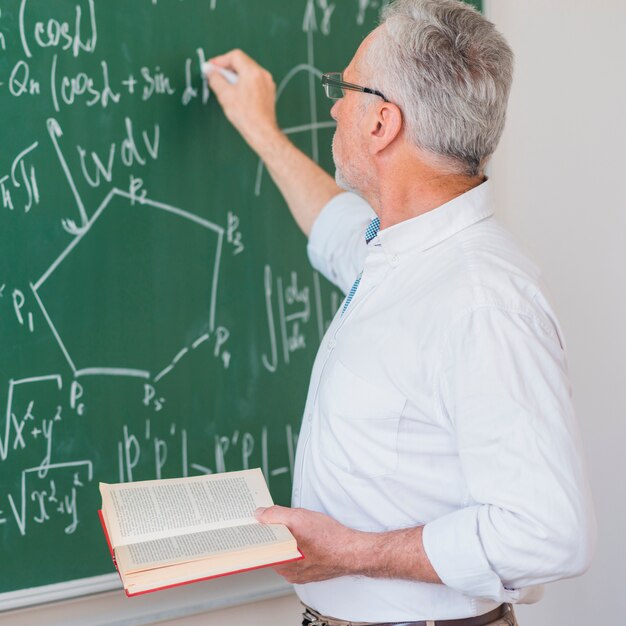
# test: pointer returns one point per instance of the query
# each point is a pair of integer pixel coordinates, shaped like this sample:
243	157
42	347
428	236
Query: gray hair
450	71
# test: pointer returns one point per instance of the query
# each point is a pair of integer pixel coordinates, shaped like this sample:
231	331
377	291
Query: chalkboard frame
103	593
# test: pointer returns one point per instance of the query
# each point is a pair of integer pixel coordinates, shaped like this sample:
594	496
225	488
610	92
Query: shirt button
331	344
395	260
310	417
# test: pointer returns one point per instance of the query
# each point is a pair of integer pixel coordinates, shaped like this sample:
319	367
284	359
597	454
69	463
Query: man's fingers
217	83
250	102
273	515
235	60
290	573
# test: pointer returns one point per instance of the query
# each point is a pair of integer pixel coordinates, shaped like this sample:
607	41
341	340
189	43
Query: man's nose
335	109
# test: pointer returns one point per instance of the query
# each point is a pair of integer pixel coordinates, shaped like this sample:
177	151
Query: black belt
313	618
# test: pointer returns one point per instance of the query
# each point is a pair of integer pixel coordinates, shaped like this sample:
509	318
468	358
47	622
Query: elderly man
438	477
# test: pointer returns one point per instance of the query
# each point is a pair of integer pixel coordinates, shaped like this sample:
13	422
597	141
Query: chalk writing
20	181
57	33
3	46
156	450
288	307
20	81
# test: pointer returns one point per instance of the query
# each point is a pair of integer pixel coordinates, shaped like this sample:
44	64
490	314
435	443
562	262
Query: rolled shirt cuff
453	546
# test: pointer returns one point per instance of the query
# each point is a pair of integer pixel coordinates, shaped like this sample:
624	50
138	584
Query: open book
163	533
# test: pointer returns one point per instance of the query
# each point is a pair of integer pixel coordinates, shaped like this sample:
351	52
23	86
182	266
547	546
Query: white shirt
441	398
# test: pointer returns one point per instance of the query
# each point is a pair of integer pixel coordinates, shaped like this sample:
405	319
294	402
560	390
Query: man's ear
386	126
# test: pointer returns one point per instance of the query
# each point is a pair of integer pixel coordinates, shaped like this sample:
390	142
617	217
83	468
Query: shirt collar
431	228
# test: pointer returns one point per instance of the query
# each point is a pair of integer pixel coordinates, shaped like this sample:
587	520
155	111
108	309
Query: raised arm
250	106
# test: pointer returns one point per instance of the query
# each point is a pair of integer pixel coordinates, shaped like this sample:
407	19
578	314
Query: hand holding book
163	533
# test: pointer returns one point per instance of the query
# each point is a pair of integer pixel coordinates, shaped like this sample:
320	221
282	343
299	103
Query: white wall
559	178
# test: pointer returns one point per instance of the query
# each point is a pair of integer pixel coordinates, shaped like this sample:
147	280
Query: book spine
106	536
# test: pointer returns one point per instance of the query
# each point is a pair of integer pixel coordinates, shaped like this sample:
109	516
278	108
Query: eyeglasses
335	86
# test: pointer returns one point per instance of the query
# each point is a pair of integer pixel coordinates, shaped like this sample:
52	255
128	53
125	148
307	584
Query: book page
197	545
154	509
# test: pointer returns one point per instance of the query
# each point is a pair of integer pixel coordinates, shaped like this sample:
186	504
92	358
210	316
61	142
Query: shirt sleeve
337	247
503	387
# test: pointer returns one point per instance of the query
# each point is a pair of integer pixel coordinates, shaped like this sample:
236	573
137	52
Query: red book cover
186	582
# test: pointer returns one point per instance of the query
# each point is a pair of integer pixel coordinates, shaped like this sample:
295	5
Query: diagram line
312	95
318	304
216	271
200	340
174	210
306	127
74	242
55	132
315	73
112	371
53	329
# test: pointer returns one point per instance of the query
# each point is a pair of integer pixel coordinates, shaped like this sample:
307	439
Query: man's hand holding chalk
247	93
229	75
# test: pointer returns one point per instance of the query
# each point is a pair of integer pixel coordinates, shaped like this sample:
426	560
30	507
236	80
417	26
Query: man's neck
409	194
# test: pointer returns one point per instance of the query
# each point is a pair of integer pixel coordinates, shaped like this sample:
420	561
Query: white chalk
229	75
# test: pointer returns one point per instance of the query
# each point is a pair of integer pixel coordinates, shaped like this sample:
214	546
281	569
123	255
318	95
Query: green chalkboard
158	315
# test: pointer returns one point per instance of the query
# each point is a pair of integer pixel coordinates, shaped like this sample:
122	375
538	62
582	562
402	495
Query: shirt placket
373	273
324	353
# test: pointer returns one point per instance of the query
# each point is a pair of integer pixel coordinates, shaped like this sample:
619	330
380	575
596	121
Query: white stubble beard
340	176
